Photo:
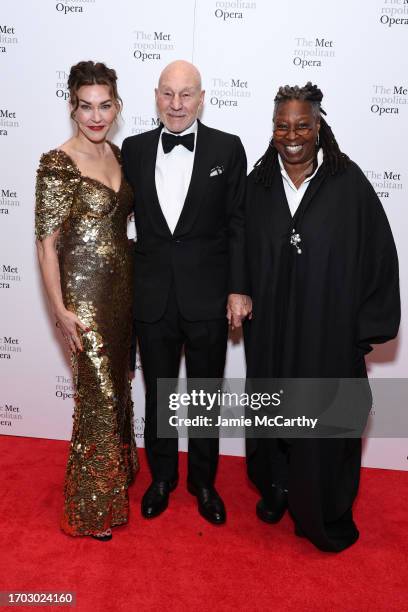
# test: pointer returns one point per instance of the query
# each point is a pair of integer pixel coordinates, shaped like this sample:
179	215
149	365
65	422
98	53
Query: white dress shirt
173	176
294	196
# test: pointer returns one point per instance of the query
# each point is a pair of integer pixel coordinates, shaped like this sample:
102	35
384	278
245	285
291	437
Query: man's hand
239	307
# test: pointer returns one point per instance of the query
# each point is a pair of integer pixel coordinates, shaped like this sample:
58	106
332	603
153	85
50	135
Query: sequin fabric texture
96	270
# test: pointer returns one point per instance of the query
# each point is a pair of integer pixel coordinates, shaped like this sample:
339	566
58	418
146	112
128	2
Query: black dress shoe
156	498
210	505
272	508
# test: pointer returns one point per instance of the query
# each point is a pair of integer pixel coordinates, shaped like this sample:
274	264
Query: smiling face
295	131
179	96
96	111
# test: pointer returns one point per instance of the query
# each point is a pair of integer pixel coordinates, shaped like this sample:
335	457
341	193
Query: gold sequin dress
96	278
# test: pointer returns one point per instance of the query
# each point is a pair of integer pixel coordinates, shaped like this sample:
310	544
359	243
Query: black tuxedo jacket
204	257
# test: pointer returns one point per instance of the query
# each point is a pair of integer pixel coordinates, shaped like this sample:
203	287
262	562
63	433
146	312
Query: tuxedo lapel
199	179
148	180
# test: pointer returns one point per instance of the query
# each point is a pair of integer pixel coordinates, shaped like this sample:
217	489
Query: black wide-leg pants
160	346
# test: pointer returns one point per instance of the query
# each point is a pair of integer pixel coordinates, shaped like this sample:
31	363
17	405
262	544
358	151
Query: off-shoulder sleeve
57	181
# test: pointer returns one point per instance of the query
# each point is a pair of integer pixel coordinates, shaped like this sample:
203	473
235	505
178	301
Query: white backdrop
356	53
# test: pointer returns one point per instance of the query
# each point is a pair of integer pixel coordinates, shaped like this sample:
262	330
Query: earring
317	140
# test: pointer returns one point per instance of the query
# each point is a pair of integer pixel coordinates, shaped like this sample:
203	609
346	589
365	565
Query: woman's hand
68	323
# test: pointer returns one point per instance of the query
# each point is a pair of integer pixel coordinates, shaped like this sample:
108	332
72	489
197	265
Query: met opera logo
61	85
384	181
142	123
394	13
8	200
388	100
9	347
64	388
7	37
9	275
312	52
8	120
139	425
233	10
227	93
152	46
9	415
72	6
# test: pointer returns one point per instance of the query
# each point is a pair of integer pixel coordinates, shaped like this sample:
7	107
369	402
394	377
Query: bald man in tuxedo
190	281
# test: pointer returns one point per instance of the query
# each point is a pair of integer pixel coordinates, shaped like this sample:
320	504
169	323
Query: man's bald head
180	70
179	95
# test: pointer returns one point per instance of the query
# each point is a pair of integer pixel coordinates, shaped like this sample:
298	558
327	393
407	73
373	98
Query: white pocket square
217	170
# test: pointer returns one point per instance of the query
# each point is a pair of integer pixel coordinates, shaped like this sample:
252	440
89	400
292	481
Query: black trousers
160	346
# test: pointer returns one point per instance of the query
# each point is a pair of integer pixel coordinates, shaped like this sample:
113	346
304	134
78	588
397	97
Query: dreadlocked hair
333	157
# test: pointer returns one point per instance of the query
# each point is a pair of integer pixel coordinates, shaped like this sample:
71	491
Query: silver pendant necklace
294	241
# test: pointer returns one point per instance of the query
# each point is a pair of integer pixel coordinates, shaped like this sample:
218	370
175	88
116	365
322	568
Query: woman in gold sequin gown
86	263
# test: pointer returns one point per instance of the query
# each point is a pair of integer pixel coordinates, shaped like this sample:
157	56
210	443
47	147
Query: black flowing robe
315	315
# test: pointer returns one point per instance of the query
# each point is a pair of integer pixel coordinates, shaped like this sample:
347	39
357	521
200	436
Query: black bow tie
169	141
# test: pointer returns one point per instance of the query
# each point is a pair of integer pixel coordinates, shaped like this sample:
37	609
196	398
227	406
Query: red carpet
179	562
